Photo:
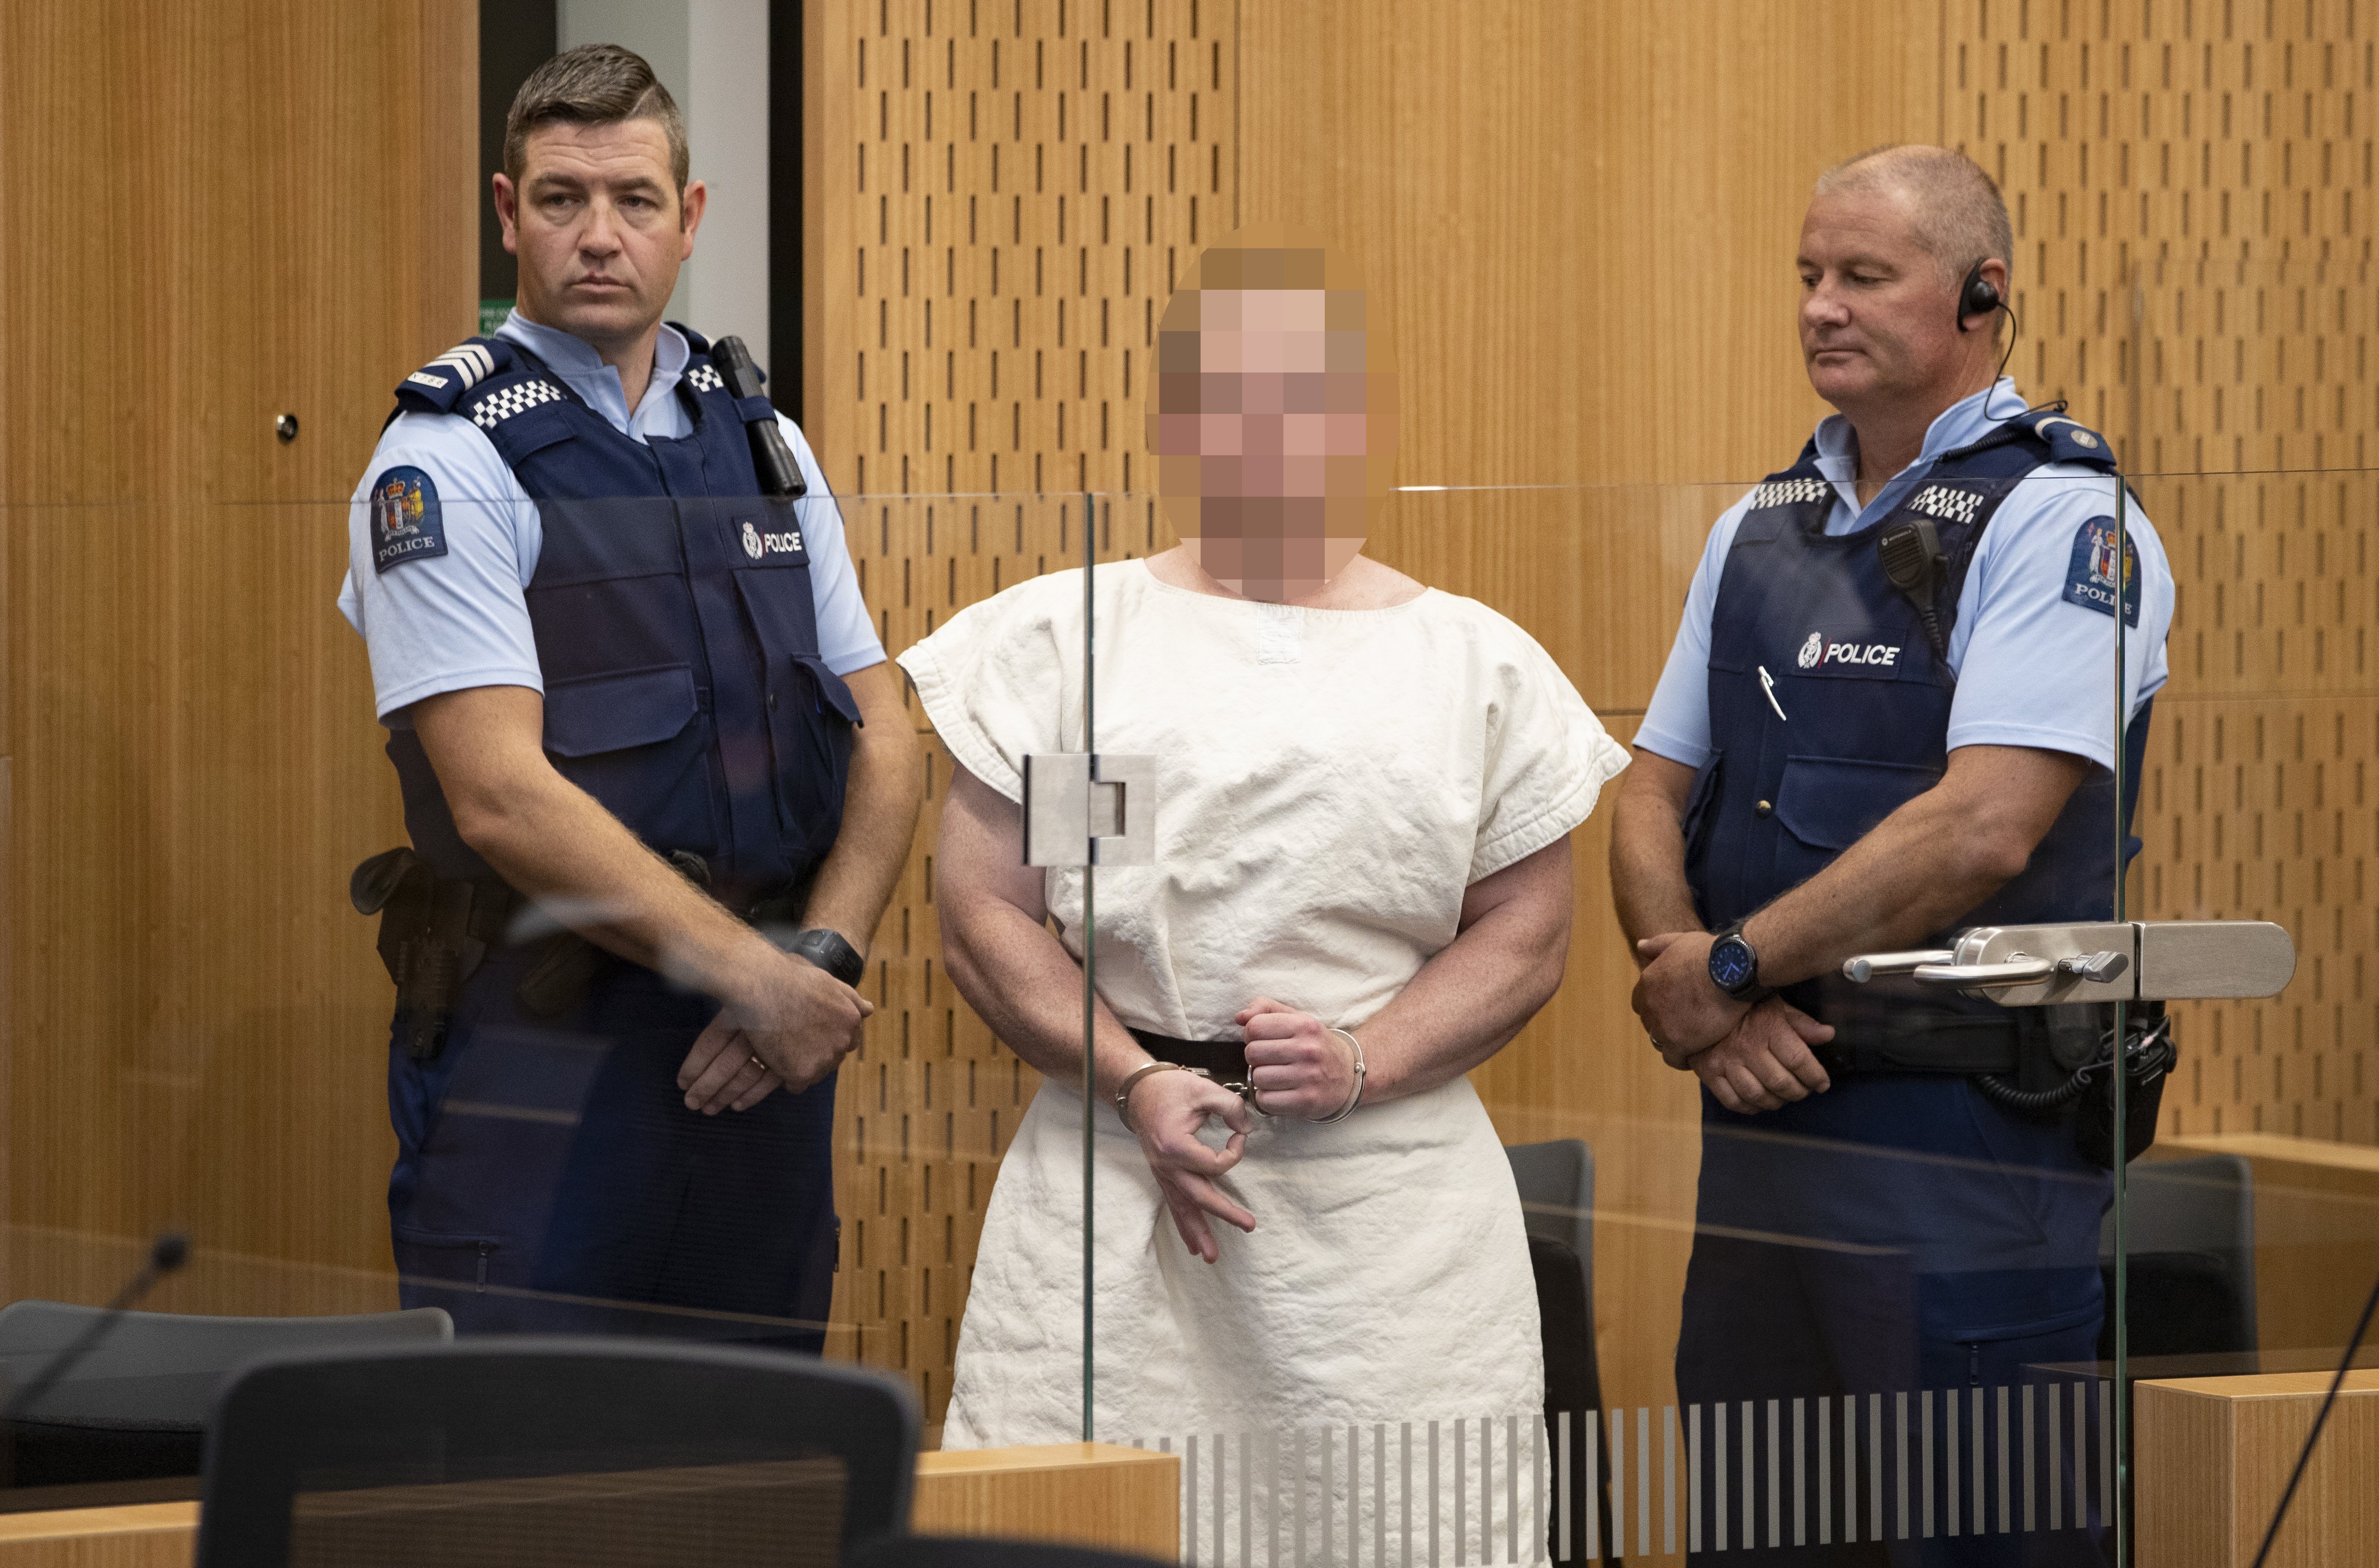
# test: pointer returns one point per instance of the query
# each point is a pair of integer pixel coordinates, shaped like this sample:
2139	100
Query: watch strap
829	951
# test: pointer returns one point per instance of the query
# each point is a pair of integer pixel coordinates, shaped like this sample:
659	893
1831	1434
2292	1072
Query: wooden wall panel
213	216
1001	191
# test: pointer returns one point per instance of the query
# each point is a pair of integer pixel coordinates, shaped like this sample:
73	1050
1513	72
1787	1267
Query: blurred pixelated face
1273	429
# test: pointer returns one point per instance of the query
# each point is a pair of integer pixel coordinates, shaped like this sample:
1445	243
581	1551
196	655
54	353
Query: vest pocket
631	739
1826	804
811	715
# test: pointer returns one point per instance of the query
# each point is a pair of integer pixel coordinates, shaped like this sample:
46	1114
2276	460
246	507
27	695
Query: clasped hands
1751	1058
791	1024
1299	1068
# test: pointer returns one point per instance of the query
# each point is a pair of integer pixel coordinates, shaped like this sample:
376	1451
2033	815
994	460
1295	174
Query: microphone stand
167	1253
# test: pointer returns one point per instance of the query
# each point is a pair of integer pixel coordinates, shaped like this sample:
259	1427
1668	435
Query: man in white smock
1361	890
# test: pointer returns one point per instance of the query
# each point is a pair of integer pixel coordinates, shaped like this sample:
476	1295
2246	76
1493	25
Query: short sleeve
1676	722
440	542
846	638
2036	638
993	682
1547	758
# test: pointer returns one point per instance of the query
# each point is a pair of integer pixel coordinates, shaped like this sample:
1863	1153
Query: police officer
639	715
1887	715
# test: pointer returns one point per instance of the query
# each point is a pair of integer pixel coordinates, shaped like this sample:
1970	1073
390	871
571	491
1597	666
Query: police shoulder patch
2092	577
405	524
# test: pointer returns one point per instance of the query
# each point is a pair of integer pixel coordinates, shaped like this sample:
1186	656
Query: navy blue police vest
1865	716
674	624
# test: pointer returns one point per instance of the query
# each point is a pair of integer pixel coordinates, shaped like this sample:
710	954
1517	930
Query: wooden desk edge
149	1517
1048	1456
2319	1153
2267	1385
128	1519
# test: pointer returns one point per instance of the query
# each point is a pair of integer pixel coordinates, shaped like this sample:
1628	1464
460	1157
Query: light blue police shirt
461	619
2033	667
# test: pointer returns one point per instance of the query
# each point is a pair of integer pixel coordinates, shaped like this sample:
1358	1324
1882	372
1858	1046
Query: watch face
1732	963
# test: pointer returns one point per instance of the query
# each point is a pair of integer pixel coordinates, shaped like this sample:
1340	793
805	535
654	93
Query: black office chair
523	1452
2189	1229
136	1406
1556	1182
973	1551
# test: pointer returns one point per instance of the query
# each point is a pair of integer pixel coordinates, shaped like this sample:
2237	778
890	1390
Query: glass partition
1543	1297
1539	1296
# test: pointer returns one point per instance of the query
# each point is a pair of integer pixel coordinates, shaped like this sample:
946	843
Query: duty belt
435	931
2033	1046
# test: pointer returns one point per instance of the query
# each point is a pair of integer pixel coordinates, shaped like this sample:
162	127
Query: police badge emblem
752	545
1813	650
2094	581
405	521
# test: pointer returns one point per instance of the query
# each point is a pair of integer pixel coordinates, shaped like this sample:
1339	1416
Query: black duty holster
434	934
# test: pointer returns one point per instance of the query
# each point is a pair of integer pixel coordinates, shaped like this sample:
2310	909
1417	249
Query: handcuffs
1246	1090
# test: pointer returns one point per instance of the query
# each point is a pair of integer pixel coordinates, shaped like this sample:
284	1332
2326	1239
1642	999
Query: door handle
2022	966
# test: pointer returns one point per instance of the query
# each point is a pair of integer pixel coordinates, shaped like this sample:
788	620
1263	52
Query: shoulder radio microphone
772	456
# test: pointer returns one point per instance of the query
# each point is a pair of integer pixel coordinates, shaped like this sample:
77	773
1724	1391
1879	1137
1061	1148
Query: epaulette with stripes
438	386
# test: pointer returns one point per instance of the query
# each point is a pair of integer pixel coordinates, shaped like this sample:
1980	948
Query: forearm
879	821
1466	1002
1647	851
1917	871
1017	975
1648	868
558	846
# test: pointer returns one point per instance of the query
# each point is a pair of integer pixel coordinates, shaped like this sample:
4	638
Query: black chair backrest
524	1451
157	1368
2188	1231
1556	1183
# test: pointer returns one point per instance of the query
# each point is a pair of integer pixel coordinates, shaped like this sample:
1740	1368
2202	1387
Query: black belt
1225	1061
2023	1043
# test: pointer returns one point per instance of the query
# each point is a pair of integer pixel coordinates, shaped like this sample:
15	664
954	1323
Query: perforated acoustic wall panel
2258	797
1005	192
2192	184
1025	178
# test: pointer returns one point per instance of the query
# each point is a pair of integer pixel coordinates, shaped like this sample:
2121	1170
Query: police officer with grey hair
1878	723
658	778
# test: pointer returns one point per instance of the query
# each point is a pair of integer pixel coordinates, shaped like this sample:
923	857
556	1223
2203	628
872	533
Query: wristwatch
1734	966
829	952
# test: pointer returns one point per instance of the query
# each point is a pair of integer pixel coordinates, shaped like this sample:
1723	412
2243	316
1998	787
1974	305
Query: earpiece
1977	295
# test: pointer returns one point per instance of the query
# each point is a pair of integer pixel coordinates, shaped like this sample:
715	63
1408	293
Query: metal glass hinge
1090	808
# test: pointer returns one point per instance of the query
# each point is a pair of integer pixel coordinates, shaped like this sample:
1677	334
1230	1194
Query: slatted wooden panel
2192	184
1005	191
2258	798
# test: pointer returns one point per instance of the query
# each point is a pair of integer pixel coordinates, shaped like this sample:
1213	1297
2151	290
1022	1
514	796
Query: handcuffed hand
1765	1060
1167	1110
793	1026
1298	1067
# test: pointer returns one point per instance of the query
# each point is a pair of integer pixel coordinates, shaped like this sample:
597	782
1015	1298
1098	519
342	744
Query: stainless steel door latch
2031	966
